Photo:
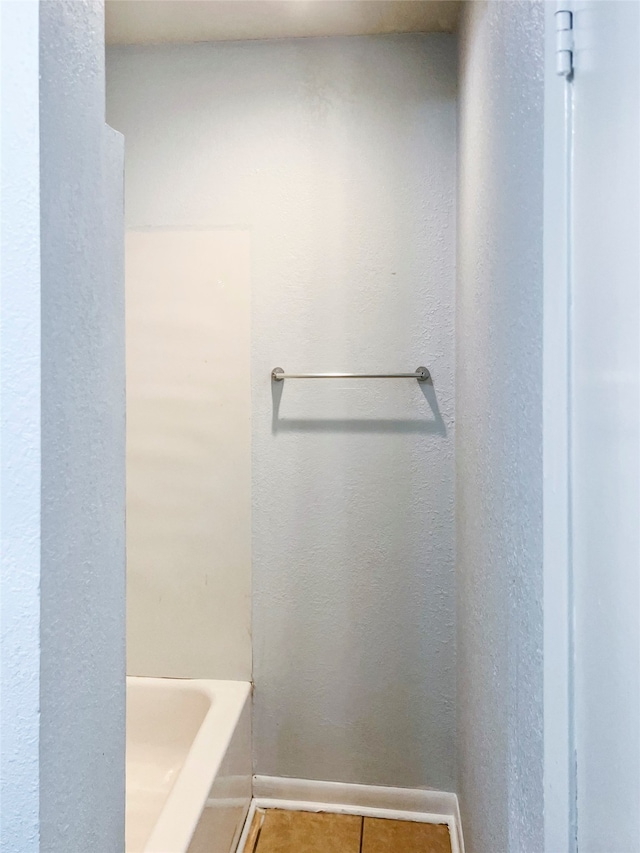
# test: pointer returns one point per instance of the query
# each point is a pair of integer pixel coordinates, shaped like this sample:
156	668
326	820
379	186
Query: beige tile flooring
278	831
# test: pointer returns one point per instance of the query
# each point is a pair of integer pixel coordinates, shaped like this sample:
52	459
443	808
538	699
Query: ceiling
154	21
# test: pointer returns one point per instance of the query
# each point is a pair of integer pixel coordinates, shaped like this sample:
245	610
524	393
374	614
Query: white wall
82	522
19	428
499	426
188	306
339	155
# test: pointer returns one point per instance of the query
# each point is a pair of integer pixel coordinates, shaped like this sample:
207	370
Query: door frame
560	825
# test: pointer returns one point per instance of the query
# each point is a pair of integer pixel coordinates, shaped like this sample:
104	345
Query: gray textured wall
20	429
339	154
82	570
499	427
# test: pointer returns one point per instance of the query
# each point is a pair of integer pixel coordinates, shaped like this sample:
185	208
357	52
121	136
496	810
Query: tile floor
278	831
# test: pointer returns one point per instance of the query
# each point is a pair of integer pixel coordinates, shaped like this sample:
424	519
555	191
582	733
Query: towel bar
420	373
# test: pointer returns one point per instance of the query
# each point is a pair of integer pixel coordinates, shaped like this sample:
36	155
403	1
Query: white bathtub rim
202	763
413	804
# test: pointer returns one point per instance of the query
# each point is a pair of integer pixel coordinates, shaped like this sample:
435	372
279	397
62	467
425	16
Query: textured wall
19	429
82	572
339	154
499	427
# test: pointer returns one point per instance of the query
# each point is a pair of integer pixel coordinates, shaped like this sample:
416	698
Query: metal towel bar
420	373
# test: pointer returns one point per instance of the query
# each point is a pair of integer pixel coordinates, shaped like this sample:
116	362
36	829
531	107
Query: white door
592	571
605	286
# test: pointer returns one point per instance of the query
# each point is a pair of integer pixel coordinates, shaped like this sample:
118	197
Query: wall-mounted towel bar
420	373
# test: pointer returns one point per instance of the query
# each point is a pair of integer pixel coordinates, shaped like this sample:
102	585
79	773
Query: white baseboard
424	806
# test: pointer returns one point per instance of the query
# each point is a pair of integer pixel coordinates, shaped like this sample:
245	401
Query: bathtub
188	765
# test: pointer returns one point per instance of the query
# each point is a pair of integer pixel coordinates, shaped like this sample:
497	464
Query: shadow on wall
433	426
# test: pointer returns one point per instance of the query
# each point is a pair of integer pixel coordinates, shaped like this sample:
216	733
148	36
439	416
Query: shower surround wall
338	155
499	426
188	305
